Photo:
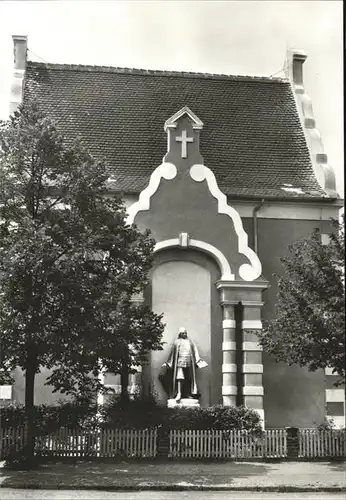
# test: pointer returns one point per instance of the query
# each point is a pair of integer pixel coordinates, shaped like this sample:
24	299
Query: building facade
243	175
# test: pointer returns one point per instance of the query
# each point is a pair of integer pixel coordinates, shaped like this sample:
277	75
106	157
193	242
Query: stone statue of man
183	360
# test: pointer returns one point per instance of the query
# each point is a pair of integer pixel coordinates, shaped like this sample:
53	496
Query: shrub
328	424
140	413
143	414
12	415
50	418
233	417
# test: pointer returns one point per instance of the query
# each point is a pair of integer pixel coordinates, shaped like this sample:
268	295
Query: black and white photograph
172	252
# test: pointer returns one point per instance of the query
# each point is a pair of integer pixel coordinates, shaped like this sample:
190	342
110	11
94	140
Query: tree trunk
124	381
29	407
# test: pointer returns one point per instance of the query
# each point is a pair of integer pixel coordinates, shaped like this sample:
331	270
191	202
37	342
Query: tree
69	264
309	324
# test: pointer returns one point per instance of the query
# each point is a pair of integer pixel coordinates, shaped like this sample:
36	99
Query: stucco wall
292	395
43	393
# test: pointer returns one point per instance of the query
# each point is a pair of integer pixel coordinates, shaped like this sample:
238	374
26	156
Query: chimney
20	43
323	171
295	61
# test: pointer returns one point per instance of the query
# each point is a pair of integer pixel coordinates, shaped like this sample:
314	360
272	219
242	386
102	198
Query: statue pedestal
183	403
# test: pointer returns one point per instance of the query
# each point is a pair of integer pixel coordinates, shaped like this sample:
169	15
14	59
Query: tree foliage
69	263
309	324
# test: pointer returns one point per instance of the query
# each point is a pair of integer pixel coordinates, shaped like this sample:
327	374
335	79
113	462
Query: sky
233	37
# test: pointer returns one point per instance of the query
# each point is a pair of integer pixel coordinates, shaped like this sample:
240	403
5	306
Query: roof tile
252	137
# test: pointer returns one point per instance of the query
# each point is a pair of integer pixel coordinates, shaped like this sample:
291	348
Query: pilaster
335	399
251	365
229	351
252	362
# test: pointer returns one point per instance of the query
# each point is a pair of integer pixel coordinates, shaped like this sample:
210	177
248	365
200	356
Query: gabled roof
252	138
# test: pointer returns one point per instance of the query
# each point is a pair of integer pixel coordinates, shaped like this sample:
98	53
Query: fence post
162	442
24	442
292	434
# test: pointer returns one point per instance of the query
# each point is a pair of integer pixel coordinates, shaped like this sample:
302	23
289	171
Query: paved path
151	475
11	494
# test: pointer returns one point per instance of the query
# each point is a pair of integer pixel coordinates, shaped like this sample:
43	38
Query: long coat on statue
196	362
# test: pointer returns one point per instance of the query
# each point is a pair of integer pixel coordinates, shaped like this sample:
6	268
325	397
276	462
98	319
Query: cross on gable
184	139
183	134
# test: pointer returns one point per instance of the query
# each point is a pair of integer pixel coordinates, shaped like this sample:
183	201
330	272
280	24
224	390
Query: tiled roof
252	137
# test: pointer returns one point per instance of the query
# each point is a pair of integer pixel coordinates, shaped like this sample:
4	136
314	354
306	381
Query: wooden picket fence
11	439
132	443
325	443
68	443
103	443
198	444
227	444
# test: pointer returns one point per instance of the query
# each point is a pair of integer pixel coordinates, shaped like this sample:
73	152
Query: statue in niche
182	364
